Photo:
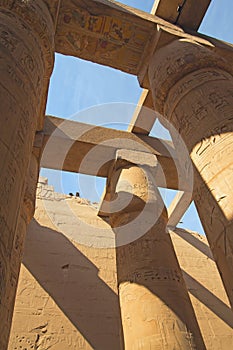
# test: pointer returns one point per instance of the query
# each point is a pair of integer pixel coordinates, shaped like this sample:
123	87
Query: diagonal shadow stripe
206	297
195	242
72	280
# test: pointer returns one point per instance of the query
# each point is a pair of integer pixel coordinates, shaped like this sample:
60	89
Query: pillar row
155	307
192	88
26	56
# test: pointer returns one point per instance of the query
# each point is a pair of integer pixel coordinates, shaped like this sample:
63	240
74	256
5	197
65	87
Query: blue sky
100	95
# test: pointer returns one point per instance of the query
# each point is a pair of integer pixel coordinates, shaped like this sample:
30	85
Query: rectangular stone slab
189	15
116	35
90	149
105	32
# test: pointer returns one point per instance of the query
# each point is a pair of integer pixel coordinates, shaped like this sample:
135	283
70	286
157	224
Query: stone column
16	249
192	88
155	307
26	61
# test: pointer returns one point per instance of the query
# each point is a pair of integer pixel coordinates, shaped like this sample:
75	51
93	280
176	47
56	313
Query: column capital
135	204
165	35
141	159
179	59
132	167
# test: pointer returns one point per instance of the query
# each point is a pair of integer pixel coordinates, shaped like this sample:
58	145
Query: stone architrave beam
89	149
178	207
186	13
105	32
141	123
144	115
113	34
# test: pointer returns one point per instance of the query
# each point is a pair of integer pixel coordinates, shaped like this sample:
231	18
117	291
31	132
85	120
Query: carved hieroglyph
193	88
67	294
26	61
155	307
102	32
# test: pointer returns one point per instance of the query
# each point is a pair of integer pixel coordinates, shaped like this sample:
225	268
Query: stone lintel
138	158
144	116
178	207
90	149
105	32
189	15
117	35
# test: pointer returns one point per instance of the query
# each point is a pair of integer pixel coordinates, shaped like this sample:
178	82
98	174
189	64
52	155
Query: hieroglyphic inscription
8	181
27	65
3	275
96	34
5	231
190	83
160	273
177	67
26	55
38	20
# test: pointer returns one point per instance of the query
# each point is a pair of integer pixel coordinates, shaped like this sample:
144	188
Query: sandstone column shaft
26	55
155	306
193	89
26	214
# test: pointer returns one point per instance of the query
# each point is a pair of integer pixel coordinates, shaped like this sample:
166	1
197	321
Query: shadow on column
205	296
218	228
72	281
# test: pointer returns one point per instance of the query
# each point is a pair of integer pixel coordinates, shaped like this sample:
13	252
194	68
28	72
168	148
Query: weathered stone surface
67	290
16	249
26	55
155	307
90	149
207	294
178	207
105	32
188	14
191	82
144	116
117	35
193	89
